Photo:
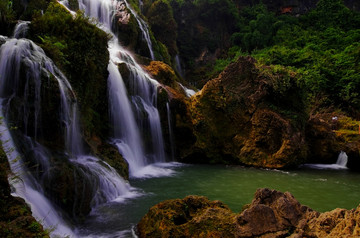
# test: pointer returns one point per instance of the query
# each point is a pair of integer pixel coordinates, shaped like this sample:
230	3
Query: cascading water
342	159
189	92
12	53
107	185
28	188
128	116
340	163
21	29
171	134
178	66
143	27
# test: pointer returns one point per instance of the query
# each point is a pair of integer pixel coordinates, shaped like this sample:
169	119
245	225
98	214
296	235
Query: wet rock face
271	214
248	116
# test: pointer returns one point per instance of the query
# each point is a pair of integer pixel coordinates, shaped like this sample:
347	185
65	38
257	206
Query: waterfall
27	187
141	5
178	66
105	11
21	29
171	134
12	52
133	112
188	92
342	159
143	27
340	163
107	185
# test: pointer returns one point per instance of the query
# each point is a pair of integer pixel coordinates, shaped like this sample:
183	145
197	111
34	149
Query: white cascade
24	183
171	133
26	187
342	159
189	92
124	113
178	66
340	163
105	181
143	27
21	29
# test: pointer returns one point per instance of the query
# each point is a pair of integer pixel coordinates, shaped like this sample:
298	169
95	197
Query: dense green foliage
203	25
160	16
322	46
6	15
79	48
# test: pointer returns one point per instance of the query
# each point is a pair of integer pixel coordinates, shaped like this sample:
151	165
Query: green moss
80	50
163	24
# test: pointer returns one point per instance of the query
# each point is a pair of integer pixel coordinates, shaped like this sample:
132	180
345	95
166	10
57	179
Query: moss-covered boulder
250	115
15	215
270	214
110	154
193	216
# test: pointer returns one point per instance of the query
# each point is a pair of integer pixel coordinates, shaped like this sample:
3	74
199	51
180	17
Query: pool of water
322	190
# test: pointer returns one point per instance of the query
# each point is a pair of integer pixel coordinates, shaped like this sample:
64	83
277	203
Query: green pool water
322	190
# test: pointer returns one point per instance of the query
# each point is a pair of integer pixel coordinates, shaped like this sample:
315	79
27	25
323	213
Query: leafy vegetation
322	47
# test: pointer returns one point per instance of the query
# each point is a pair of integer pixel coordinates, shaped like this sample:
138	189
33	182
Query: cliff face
270	214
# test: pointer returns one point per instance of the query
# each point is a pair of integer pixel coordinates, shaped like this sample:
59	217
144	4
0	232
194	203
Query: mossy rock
84	61
193	216
236	120
110	154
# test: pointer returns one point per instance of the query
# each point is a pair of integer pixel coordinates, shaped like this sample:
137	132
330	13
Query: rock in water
270	214
250	115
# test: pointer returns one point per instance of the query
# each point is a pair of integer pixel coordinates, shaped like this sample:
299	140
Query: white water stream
340	163
107	185
131	109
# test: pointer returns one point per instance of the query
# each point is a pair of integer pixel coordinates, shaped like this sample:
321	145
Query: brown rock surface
250	115
271	214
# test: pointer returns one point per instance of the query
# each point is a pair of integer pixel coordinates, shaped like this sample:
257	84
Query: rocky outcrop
250	115
270	214
171	96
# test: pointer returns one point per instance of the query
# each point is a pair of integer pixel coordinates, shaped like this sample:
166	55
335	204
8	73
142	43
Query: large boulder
270	214
250	115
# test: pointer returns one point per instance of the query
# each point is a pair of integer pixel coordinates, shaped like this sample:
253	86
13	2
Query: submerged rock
270	214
